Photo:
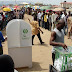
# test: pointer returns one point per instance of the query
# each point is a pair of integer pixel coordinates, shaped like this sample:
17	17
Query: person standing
3	18
35	15
57	38
45	20
42	17
36	30
1	40
50	20
39	18
1	26
54	16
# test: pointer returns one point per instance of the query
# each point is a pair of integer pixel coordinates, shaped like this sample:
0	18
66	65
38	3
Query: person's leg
40	38
48	25
39	22
69	35
42	24
64	30
1	50
32	39
67	28
53	58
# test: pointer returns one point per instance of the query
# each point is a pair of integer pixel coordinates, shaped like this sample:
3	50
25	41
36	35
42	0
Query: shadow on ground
46	45
36	67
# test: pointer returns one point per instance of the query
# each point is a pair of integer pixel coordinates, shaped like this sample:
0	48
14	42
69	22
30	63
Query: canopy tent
36	7
28	6
58	9
69	9
45	7
24	3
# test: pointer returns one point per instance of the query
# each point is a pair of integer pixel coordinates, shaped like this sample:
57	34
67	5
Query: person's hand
28	19
42	32
64	46
6	38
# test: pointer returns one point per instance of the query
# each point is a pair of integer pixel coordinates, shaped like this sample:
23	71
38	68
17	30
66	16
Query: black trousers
53	58
39	37
1	50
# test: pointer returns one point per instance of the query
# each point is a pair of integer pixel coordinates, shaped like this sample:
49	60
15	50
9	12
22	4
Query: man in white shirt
39	17
64	17
54	16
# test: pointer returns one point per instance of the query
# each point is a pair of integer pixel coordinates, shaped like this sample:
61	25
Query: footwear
42	42
32	44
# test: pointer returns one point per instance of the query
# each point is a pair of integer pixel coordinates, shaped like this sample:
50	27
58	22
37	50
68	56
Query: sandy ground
41	54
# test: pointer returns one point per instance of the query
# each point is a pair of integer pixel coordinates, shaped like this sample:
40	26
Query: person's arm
40	30
29	21
53	36
1	37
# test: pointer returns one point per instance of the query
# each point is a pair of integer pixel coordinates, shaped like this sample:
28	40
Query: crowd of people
5	17
57	22
48	20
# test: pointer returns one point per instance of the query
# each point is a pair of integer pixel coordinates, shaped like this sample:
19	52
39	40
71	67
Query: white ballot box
20	42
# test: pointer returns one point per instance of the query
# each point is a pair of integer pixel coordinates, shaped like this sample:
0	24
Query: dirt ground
41	54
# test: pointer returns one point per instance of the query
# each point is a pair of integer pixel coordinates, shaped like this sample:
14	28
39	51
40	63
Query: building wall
66	5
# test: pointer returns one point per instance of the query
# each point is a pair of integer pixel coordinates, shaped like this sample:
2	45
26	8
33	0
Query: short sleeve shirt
35	27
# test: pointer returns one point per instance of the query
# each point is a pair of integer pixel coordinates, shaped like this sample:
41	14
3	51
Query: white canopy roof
24	3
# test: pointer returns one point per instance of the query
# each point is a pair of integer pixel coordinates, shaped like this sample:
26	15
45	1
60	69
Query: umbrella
45	7
28	6
36	7
6	9
58	9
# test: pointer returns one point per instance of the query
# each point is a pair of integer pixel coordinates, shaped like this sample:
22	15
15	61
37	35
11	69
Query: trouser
53	26
48	25
45	25
39	37
64	30
1	25
1	50
53	58
39	22
42	24
22	16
